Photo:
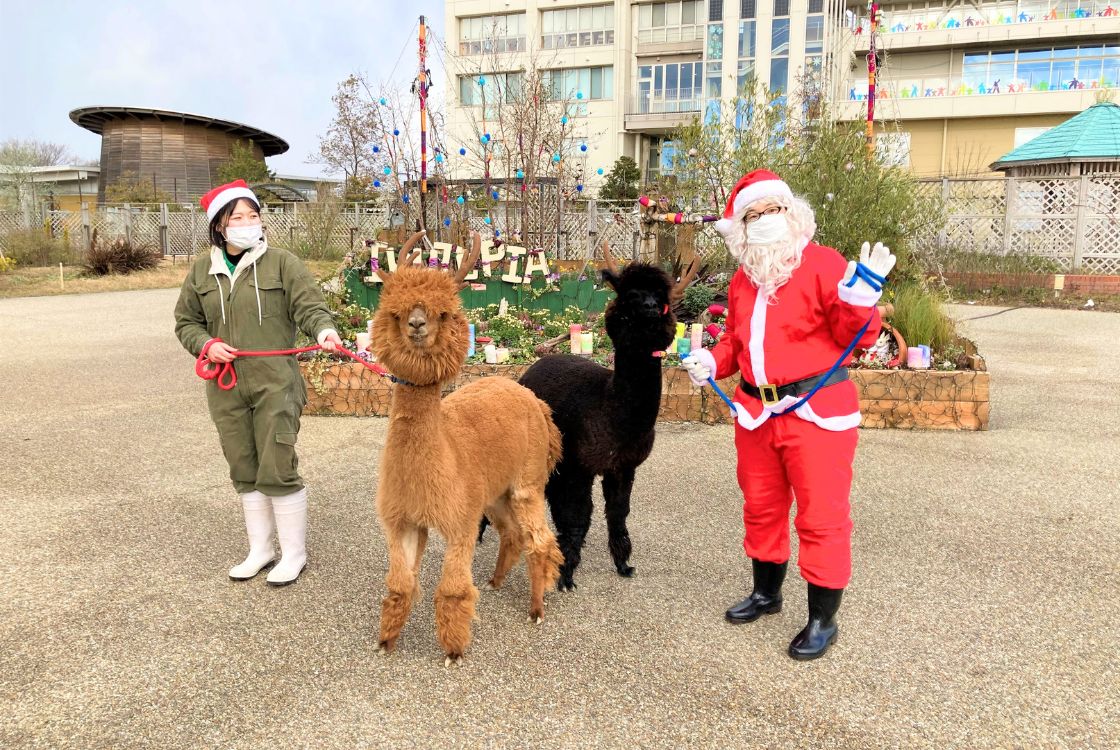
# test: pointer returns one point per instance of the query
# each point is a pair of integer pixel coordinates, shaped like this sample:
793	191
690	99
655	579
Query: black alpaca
606	417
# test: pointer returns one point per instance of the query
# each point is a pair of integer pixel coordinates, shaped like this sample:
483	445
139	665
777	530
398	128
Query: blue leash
873	280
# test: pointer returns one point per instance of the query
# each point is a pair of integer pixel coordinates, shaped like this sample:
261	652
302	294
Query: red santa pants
788	457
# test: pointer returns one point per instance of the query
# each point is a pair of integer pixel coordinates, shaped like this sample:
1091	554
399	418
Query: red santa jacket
801	335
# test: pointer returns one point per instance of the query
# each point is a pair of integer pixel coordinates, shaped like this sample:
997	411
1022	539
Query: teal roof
1093	134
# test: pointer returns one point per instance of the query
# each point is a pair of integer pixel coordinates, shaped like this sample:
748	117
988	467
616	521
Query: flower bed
904	399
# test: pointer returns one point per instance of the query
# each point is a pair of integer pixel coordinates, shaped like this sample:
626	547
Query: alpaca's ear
610	277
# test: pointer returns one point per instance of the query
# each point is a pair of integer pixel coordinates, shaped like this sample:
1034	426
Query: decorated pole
422	90
873	8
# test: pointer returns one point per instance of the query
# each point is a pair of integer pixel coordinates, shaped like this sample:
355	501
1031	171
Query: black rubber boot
766	599
815	638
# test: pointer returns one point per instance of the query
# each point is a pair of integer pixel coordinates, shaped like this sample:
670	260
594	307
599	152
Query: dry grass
32	281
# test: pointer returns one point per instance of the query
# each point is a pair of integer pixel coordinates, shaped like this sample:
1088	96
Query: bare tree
347	145
35	153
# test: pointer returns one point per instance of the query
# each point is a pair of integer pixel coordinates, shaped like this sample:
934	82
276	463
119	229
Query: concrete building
643	67
964	83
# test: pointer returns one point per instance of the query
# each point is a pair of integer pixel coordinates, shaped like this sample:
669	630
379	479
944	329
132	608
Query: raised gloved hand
862	283
700	365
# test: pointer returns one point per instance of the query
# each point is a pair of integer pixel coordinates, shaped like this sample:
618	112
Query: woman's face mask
766	229
244	237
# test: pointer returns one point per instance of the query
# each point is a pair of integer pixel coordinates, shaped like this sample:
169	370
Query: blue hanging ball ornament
482	81
447	222
520	175
497	233
494	195
383	102
460	200
599	170
377	183
387	171
405	198
396	132
583	147
556	157
439	158
462	152
579	188
486	220
579	95
485	138
377	149
564	120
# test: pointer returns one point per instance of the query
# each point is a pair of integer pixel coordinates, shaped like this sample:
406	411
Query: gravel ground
983	612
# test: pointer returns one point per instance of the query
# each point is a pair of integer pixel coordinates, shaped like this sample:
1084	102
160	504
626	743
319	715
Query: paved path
984	610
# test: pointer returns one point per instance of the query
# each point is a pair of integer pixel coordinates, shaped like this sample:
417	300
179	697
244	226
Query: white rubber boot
291	529
259	525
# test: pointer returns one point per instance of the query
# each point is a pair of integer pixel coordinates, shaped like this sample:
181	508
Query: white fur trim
805	411
224	197
832	424
322	337
760	190
758	339
707	359
724	226
860	295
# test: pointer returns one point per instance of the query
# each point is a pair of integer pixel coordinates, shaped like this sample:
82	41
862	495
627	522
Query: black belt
772	394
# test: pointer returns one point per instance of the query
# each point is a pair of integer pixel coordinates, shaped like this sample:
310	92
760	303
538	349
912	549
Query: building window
746	55
670	87
715	10
680	21
1051	69
594	83
497	87
779	55
814	35
714	49
781	7
816	6
589	26
659	158
747	8
492	34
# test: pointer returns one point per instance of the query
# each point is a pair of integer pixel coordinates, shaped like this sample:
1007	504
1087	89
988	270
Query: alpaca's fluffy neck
414	422
635	388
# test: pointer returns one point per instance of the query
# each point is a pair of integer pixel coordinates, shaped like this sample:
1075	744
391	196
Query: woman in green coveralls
254	297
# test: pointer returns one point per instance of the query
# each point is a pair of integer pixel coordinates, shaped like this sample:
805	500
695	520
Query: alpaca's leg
406	544
541	548
569	495
456	595
616	494
509	536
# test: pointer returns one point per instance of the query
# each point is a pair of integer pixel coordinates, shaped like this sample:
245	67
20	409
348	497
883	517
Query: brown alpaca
489	447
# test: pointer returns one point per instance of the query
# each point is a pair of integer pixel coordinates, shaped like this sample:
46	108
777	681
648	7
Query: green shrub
697	298
7	264
35	247
920	317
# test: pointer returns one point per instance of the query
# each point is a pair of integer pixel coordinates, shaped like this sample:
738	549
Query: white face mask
245	237
767	229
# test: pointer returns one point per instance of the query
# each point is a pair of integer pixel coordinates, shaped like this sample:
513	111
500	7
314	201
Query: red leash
227	376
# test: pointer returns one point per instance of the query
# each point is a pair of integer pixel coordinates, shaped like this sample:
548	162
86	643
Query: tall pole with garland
422	92
873	10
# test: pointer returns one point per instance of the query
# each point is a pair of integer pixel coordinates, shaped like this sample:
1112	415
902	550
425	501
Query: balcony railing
924	88
666	34
666	102
900	23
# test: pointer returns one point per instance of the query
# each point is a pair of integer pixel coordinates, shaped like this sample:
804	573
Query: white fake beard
768	265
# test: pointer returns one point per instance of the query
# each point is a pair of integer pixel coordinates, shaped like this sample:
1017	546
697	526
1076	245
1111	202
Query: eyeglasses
753	215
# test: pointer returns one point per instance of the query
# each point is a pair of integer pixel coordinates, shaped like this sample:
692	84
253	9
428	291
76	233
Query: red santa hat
219	197
751	187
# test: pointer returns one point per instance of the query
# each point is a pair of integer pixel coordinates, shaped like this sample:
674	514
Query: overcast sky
273	65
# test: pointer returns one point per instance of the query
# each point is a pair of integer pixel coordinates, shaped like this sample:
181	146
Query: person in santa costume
795	312
244	295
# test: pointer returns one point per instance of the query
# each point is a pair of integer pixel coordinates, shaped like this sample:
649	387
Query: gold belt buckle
769	394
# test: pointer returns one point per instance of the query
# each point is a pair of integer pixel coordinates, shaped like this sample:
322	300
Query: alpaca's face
640	318
419	332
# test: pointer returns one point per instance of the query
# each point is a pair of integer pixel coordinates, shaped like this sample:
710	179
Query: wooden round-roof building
178	152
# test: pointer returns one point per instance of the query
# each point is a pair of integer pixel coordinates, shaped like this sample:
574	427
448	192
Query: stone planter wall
904	399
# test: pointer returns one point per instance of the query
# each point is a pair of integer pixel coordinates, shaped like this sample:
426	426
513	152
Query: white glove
700	365
879	261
